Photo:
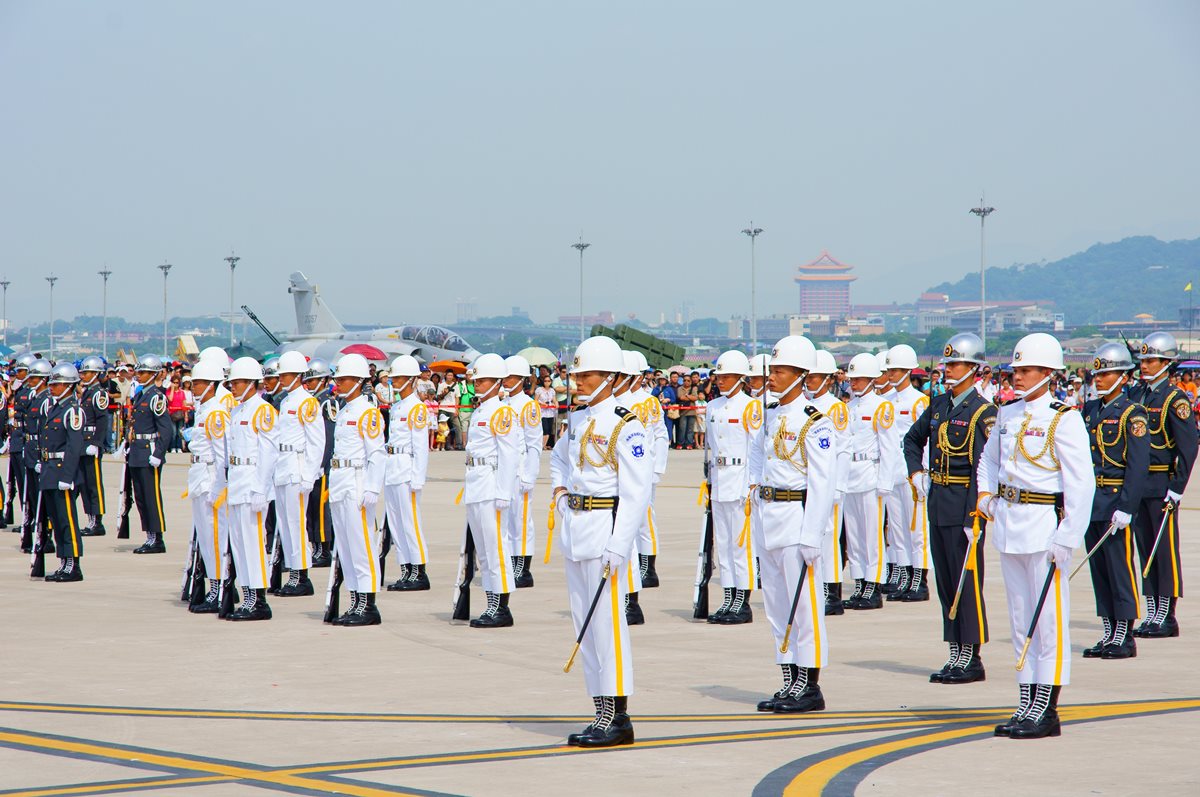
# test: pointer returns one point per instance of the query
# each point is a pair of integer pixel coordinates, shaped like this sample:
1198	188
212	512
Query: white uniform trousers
605	649
831	548
518	526
291	524
647	538
737	561
404	520
908	528
864	535
1049	657
212	536
354	536
491	549
807	646
247	538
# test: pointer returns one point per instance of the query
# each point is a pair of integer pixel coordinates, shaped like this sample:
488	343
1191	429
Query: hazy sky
405	154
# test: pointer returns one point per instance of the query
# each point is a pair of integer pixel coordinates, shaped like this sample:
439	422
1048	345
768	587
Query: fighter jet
319	333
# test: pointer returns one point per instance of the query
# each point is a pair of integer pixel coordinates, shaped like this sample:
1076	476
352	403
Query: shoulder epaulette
1058	406
773	405
622	412
812	410
1010	401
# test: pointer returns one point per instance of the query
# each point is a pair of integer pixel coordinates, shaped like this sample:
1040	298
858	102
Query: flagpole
1191	319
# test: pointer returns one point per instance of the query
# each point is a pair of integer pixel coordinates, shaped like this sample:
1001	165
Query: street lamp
104	314
753	232
4	283
982	212
232	260
52	280
165	267
580	246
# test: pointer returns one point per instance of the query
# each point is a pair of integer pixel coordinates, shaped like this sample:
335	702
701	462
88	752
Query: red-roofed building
824	287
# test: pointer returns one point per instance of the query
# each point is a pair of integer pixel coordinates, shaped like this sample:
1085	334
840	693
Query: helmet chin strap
590	397
496	387
859	394
1044	381
626	379
812	394
896	385
736	385
250	390
799	381
961	379
1150	380
1115	386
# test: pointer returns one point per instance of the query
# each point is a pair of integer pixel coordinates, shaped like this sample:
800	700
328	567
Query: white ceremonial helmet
354	365
796	351
864	365
290	362
760	364
598	353
825	363
517	366
208	371
405	365
902	356
1039	349
489	366
732	362
243	368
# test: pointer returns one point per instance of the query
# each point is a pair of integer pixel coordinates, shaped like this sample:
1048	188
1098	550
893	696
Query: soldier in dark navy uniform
320	522
62	444
1121	455
18	403
955	426
150	432
1173	441
31	453
93	400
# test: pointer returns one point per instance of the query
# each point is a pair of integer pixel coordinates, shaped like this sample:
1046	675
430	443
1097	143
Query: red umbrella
366	350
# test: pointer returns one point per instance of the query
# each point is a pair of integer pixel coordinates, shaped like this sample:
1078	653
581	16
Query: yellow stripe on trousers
524	523
417	526
302	532
367	548
217	546
653	536
1173	552
978	599
837	550
812	600
879	567
1137	603
750	580
99	485
321	510
924	540
1058	628
617	616
162	524
262	550
71	523
500	552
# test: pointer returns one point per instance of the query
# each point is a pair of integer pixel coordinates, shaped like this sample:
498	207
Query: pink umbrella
366	350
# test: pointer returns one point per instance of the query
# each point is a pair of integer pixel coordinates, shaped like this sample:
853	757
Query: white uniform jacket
1041	446
909	404
650	413
206	475
733	424
358	456
835	410
253	450
874	447
301	439
493	453
408	443
529	416
797	450
606	455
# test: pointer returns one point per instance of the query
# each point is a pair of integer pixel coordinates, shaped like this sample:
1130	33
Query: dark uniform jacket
1120	444
61	441
956	436
31	450
151	425
19	402
94	403
330	404
1173	437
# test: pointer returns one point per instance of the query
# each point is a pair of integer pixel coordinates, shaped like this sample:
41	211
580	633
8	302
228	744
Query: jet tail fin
312	316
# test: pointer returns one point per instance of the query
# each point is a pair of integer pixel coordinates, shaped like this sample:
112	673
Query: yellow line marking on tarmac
101	788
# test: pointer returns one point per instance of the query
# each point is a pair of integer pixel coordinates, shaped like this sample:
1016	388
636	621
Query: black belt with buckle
1015	495
1106	481
1160	468
723	462
46	457
946	480
779	494
586	503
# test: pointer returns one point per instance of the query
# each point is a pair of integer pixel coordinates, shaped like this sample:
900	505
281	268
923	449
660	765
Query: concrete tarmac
110	686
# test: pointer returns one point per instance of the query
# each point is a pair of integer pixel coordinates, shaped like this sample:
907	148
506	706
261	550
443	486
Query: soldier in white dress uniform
908	524
301	446
404	476
209	444
528	430
625	392
818	389
1036	486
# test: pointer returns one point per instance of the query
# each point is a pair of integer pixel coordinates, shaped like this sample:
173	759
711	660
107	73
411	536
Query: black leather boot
901	584
355	598
573	738
417	578
1005	728
1121	645
1042	718
805	695
367	613
716	616
918	587
633	610
153	544
298	585
891	581
968	668
789	677
523	576
254	606
212	601
936	677
833	599
612	727
1095	650
401	583
739	610
496	615
321	556
859	585
649	574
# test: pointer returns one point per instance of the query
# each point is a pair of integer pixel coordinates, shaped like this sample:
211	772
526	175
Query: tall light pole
232	260
52	279
580	246
4	283
165	267
753	232
105	273
982	212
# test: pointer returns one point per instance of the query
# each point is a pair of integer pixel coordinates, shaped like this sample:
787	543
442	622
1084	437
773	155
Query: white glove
614	561
306	488
210	498
1060	555
369	500
883	492
258	502
1173	496
4	448
92	451
810	554
416	489
502	505
920	483
526	488
66	486
37	468
987	505
657	478
155	461
839	496
970	532
1121	519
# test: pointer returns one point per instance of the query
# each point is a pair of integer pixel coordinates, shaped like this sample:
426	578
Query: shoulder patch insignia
370	423
1137	426
264	418
752	416
839	415
1182	409
530	416
988	423
331	410
884	416
501	422
74	418
101	400
308	410
158	404
418	417
228	401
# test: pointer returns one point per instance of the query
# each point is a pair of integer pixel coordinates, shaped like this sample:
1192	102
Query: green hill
1112	281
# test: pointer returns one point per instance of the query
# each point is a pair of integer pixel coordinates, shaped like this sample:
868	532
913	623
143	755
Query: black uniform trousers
59	509
147	494
16	476
948	547
318	515
1112	566
1166	574
93	486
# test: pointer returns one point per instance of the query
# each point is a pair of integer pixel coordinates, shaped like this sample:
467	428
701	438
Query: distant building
604	317
465	310
824	287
